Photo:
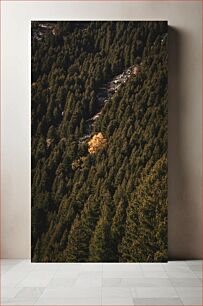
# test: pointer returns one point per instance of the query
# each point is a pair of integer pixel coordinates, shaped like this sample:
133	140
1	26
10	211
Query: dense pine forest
99	141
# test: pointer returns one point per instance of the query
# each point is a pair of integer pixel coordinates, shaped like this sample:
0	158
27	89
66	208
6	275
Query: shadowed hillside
99	141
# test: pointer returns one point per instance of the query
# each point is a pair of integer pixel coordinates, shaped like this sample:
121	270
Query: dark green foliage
145	235
109	206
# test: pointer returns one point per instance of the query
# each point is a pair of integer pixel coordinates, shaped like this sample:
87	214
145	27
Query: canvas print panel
99	141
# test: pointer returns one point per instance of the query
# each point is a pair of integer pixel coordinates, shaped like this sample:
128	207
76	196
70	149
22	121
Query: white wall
184	112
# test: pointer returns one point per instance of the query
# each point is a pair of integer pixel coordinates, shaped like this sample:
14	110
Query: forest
99	96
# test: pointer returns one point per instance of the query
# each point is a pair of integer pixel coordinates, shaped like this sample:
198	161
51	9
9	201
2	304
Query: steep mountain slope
109	204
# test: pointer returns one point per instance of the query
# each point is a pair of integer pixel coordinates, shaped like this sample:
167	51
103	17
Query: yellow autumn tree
97	142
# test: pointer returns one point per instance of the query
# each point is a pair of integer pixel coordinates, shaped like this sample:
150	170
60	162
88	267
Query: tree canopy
99	141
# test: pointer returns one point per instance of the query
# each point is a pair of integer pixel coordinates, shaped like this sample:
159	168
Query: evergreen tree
110	203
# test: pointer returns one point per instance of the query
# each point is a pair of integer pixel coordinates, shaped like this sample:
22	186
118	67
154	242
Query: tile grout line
174	288
180	298
16	286
45	287
102	282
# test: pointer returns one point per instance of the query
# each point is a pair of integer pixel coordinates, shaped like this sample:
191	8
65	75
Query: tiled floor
174	283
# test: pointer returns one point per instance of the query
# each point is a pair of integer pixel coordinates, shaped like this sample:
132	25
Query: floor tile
21	301
66	274
72	292
198	274
178	274
15	275
146	282
196	268
155	274
177	262
37	279
70	267
193	262
123	274
4	301
189	291
185	282
177	268
46	267
6	268
69	301
112	282
11	261
91	267
97	282
192	301
117	301
169	283
116	292
9	292
154	292
153	267
28	292
89	279
90	274
157	301
61	282
122	267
